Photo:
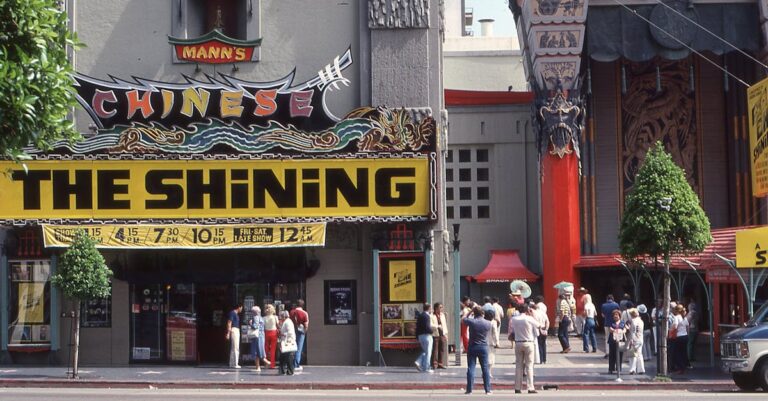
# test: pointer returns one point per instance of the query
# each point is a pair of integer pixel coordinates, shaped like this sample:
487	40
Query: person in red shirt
580	318
300	320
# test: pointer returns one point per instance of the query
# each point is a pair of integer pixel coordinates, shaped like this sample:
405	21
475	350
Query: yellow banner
103	189
190	235
757	103
402	280
31	302
752	248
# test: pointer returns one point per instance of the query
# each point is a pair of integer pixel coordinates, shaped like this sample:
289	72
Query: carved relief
547	11
398	14
668	115
553	71
561	120
554	40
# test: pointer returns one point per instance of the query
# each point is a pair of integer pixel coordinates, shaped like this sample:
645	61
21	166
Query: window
449	194
29	321
482	155
482	174
482	193
465	193
449	175
237	19
483	212
449	156
465	174
449	212
465	155
465	212
96	312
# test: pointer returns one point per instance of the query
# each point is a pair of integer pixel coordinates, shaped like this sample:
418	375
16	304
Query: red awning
504	266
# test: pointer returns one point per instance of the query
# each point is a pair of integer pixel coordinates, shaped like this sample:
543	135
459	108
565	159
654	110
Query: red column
559	223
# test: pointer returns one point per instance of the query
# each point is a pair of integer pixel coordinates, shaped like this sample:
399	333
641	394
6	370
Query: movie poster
340	302
31	302
402	280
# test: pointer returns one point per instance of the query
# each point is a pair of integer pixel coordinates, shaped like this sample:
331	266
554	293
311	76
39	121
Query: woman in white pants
635	338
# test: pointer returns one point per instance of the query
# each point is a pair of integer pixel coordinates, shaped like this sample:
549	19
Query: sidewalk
575	370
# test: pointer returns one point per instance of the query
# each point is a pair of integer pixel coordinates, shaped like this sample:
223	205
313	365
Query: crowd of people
631	332
276	339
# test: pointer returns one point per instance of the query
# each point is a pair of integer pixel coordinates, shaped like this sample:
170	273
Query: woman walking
288	345
679	353
616	334
270	334
256	335
493	341
588	335
636	329
647	332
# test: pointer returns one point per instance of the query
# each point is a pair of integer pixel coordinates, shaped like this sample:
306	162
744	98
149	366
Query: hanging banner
190	235
752	248
172	189
757	103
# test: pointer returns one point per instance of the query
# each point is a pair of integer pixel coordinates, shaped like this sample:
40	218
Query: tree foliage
35	76
663	216
82	272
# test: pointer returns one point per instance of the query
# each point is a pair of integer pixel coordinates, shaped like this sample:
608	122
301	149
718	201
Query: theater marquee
204	189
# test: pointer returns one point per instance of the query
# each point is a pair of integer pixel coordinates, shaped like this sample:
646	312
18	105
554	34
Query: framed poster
29	293
340	302
402	284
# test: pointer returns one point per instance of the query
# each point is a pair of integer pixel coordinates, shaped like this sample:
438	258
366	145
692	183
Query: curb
64	383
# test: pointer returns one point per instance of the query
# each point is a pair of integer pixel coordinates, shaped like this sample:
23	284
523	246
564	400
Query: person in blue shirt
424	334
606	310
479	329
233	335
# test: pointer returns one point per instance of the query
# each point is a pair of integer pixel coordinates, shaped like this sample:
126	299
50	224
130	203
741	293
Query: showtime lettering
173	189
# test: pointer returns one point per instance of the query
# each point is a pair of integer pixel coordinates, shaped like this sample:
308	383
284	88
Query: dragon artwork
560	121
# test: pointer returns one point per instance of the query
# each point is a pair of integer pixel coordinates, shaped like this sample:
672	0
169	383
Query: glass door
181	323
147	322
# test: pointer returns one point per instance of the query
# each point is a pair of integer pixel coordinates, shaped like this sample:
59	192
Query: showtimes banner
757	103
190	235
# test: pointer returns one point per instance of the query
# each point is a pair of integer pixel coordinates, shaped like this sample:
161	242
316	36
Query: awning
504	266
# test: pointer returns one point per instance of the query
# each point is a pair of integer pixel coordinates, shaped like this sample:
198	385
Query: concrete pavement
575	370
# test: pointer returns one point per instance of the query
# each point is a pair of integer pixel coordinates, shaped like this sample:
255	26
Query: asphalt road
12	394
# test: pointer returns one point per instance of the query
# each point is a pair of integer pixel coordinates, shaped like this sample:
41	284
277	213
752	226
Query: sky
496	9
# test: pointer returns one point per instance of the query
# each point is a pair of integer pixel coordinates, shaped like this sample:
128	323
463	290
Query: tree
663	217
35	76
82	275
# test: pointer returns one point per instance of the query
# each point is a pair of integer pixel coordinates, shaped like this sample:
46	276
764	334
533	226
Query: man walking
439	338
498	314
300	320
479	329
424	334
526	329
233	335
607	311
564	316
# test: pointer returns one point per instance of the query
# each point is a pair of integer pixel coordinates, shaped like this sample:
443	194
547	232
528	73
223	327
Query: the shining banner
757	103
190	235
752	248
191	189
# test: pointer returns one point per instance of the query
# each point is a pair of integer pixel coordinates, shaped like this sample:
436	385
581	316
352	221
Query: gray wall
514	222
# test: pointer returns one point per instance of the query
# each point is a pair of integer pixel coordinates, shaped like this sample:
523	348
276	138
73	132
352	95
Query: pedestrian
606	310
579	319
493	340
288	344
657	314
424	334
526	329
256	336
693	331
543	319
589	314
616	330
233	336
635	339
478	348
647	332
300	320
439	337
515	299
564	316
679	350
498	314
487	305
626	302
465	311
270	334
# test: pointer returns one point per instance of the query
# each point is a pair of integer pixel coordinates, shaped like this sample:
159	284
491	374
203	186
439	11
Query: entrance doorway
214	301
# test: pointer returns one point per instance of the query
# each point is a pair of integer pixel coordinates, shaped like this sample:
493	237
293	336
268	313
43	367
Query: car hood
759	332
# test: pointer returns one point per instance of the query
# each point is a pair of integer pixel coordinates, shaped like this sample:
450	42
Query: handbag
288	346
252	333
672	334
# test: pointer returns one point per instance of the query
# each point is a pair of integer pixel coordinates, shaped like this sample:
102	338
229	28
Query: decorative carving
398	14
560	120
557	71
556	39
668	115
554	11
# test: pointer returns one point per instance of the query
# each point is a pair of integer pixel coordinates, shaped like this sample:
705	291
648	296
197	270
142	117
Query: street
10	394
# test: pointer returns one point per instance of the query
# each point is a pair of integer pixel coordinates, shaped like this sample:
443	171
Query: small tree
82	275
662	218
35	76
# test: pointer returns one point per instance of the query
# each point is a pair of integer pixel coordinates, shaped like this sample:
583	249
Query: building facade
247	152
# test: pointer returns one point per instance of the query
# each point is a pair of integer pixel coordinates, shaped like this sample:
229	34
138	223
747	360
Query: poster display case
29	318
402	291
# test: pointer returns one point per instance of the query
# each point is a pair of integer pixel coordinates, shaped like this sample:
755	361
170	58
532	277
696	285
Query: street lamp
456	292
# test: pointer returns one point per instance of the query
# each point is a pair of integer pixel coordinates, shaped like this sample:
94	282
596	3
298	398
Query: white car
744	352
